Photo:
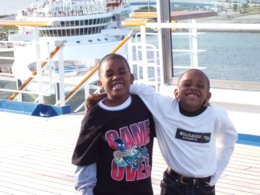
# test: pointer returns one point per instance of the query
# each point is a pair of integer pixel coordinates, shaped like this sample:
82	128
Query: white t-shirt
193	146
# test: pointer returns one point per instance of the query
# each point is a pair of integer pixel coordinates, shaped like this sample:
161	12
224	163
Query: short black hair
109	57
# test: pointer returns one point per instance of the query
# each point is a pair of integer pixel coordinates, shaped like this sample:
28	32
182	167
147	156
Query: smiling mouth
118	86
192	95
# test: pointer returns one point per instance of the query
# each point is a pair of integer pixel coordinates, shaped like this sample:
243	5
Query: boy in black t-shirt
113	152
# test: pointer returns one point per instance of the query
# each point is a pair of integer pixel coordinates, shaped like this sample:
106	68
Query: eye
122	72
186	84
201	86
109	74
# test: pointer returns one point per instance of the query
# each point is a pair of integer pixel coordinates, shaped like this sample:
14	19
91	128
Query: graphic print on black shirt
120	143
131	157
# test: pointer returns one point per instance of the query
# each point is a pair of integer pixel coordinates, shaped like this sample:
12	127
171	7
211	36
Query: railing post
193	46
19	97
38	64
165	41
61	78
144	53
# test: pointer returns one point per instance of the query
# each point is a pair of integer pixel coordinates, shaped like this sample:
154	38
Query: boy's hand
93	99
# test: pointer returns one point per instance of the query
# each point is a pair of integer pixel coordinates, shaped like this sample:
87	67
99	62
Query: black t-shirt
121	143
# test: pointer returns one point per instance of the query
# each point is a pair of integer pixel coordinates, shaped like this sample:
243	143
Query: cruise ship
87	29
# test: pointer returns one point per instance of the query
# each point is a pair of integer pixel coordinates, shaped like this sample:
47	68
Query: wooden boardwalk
35	158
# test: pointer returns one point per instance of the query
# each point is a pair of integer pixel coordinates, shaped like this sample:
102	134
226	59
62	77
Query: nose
116	76
193	87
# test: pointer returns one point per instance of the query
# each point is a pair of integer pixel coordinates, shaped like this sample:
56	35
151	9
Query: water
228	55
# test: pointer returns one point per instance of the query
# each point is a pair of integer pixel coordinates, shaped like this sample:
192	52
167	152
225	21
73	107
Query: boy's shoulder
135	96
218	112
217	109
136	99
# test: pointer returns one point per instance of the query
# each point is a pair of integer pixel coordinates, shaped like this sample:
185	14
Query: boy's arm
151	98
226	139
85	179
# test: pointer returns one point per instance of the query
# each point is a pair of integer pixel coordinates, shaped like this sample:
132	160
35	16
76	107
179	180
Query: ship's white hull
82	53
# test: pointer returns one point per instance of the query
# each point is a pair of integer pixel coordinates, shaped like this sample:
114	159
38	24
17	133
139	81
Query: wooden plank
35	158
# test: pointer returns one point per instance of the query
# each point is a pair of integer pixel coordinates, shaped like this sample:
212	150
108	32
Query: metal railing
62	97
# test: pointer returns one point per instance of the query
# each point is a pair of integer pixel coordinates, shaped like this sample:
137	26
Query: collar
195	113
122	106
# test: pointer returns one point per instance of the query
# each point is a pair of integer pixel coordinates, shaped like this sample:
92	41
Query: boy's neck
194	113
115	101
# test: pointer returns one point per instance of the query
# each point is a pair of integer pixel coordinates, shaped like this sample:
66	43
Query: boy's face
115	79
193	91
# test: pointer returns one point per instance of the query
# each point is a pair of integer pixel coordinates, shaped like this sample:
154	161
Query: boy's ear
206	103
100	84
208	97
132	78
176	93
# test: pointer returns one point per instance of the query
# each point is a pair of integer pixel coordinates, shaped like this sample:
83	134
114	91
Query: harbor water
226	55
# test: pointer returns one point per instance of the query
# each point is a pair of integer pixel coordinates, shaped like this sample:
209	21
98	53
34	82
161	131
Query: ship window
106	39
68	32
94	21
90	40
77	31
99	39
50	33
90	22
81	31
59	33
63	32
77	41
72	23
99	29
67	23
81	22
76	22
44	33
72	32
89	31
86	22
